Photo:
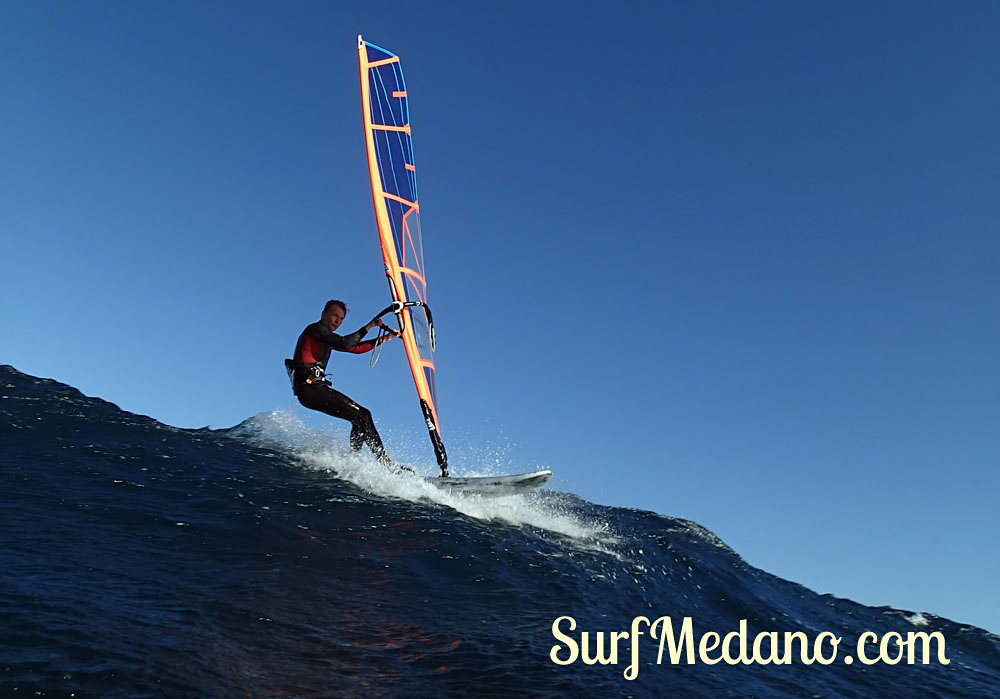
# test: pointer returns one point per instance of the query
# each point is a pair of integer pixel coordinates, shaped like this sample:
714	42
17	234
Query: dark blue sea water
140	559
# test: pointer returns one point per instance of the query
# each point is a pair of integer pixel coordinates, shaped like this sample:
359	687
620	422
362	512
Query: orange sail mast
397	214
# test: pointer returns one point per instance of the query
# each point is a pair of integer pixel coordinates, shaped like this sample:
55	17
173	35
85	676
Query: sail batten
392	172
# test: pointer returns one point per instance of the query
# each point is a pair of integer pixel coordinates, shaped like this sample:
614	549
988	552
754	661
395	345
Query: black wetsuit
312	352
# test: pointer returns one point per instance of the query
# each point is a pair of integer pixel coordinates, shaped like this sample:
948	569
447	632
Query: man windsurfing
307	371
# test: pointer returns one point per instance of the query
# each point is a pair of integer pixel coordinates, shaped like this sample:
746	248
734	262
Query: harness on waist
303	373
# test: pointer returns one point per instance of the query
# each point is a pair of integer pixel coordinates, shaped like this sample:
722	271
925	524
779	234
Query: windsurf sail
393	175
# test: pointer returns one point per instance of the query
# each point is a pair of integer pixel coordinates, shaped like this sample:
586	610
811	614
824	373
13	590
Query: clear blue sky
736	262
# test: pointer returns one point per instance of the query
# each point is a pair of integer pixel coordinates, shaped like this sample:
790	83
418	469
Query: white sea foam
327	450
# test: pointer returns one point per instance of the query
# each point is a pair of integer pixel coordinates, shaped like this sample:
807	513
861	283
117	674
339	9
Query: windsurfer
311	386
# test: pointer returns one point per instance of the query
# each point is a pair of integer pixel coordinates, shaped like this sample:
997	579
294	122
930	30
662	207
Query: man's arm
341	343
368	346
353	342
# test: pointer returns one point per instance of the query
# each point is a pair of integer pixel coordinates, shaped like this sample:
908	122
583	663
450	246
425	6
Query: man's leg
363	431
336	404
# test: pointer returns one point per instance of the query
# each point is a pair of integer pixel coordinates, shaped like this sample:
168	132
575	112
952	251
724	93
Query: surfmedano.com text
736	647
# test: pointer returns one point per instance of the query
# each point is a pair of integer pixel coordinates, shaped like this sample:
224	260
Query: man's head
333	314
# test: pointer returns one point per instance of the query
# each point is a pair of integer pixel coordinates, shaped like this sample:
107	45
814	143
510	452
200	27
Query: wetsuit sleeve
341	343
362	347
368	345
